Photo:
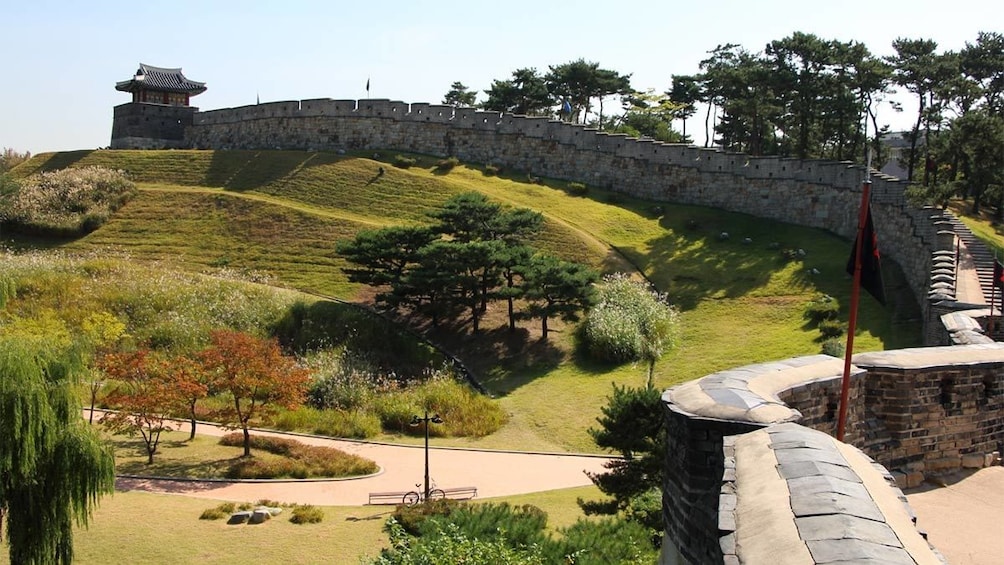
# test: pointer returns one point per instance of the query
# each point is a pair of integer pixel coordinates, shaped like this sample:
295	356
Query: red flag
998	274
871	266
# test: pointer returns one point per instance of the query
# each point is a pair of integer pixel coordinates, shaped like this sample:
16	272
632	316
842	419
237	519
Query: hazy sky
64	57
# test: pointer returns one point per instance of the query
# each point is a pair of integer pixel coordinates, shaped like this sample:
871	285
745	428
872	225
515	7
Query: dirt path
494	473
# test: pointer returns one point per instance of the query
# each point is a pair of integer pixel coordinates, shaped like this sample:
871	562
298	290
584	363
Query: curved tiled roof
161	79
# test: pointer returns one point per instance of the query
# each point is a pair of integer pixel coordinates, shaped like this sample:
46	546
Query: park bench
398	497
387	497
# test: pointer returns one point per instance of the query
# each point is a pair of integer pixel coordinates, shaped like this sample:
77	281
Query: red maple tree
143	397
255	374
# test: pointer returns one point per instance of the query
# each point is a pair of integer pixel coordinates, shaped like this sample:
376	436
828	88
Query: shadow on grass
63	159
504	360
250	170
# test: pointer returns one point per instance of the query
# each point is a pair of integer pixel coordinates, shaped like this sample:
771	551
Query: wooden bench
387	497
397	497
460	493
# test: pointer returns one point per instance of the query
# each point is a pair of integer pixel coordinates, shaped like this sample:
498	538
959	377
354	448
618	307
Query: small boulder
239	517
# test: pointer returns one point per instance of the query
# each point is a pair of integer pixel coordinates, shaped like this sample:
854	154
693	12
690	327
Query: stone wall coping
750	393
802	497
933	357
957	322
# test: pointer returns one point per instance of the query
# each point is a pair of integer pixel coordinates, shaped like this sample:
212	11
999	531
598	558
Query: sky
63	58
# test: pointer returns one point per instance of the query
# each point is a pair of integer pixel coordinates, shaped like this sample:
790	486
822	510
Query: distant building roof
160	79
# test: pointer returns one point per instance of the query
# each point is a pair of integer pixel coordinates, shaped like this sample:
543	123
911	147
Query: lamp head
436	419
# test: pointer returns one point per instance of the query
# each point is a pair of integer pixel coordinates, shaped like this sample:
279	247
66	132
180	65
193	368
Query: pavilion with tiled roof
158	85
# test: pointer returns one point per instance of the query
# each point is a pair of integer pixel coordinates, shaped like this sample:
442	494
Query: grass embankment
281	212
987	227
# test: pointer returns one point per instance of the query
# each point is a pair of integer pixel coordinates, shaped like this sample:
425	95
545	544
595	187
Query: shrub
341	380
411	517
276	445
577	189
450	545
832	328
213	514
464	412
834	347
518	525
67	202
629	322
403	162
396	410
358	424
306	514
296	460
447	165
822	308
492	170
599	542
646	509
310	326
789	254
218	512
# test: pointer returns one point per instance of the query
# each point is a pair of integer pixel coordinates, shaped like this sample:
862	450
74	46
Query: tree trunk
913	142
191	410
543	328
707	121
247	441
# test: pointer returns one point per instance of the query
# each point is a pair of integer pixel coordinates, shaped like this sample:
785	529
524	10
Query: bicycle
411	498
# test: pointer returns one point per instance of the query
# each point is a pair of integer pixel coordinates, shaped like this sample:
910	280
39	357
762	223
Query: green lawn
141	528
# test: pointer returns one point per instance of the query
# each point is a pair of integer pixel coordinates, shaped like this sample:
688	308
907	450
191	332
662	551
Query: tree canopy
256	376
475	252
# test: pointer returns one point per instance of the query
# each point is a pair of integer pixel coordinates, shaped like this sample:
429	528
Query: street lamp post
435	419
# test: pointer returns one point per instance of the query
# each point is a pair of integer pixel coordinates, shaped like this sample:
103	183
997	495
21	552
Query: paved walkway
962	517
494	473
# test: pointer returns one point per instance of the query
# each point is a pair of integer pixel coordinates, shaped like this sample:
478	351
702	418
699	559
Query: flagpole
845	384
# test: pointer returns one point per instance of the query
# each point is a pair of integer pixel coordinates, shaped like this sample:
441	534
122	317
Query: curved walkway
494	473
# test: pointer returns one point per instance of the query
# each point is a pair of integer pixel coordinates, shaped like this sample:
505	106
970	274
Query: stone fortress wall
918	412
816	193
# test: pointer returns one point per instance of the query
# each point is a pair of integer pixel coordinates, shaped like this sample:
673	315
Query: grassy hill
281	212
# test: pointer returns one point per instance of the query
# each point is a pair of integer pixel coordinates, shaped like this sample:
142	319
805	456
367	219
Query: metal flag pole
845	383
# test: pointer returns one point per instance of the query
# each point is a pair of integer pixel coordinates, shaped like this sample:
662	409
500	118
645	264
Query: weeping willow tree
53	467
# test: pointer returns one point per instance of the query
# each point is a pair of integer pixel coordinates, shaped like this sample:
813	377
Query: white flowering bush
630	322
66	202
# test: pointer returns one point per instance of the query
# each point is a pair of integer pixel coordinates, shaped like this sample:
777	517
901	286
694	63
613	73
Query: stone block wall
816	193
150	126
918	412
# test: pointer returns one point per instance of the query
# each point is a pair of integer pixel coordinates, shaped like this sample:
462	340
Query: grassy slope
282	211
